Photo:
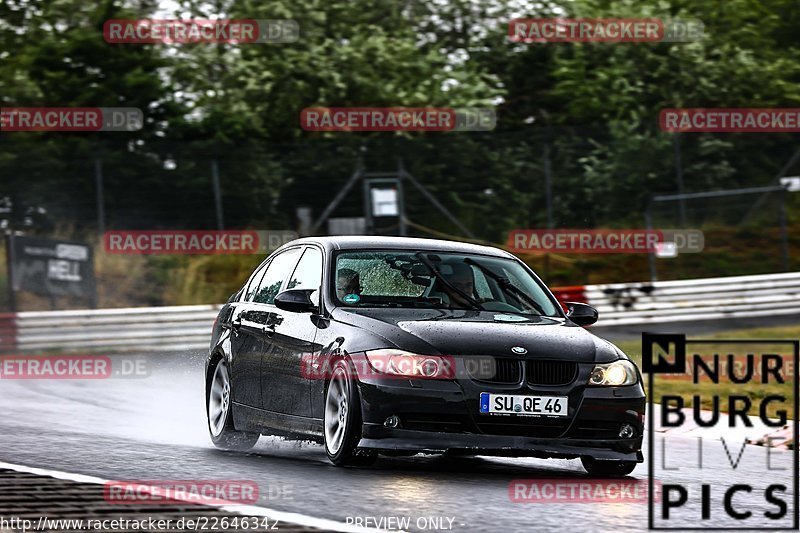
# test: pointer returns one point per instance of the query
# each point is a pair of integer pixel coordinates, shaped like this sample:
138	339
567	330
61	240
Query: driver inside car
347	282
460	276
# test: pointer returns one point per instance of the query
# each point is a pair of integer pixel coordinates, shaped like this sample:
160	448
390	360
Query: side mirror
581	314
296	301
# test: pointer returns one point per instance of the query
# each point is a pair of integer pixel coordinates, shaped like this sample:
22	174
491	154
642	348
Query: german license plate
515	404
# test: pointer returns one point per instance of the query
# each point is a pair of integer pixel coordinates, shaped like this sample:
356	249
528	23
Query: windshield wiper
438	275
506	285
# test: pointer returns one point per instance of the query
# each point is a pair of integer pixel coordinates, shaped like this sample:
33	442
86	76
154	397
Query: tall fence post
651	255
784	231
12	297
548	184
676	143
217	195
401	170
548	195
101	207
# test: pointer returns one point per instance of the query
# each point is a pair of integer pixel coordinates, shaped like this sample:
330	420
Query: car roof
363	242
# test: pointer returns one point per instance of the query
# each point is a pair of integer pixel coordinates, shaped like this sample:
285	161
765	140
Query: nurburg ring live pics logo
718	397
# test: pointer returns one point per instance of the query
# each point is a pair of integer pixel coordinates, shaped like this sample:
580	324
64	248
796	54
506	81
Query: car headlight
614	374
407	364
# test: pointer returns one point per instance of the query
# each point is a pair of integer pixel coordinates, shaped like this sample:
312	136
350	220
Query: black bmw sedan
395	346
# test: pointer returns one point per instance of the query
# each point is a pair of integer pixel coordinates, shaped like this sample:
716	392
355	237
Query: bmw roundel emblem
519	350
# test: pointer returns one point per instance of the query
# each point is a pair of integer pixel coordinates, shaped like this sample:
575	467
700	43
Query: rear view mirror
446	270
580	313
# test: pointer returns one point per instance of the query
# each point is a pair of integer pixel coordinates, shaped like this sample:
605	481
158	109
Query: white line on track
247	510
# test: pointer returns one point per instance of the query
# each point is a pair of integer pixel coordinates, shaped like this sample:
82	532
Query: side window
308	274
278	269
254	281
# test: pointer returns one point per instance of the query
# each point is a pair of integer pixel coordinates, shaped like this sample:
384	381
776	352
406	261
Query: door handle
269	330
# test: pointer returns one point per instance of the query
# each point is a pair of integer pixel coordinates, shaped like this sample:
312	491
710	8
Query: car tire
342	422
219	411
608	468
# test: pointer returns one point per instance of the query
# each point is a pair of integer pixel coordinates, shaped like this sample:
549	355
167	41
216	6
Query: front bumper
444	416
381	438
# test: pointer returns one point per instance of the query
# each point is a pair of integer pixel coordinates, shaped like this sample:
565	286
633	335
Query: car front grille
550	372
504	371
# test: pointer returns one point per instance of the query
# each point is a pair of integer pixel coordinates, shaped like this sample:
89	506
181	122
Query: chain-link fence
491	182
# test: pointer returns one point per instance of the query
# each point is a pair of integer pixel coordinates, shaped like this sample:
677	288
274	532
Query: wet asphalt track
154	428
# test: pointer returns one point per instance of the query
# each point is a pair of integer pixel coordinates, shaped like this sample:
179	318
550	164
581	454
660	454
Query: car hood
480	333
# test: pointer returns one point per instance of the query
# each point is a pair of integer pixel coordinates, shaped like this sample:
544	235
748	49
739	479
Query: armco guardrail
139	328
622	304
619	304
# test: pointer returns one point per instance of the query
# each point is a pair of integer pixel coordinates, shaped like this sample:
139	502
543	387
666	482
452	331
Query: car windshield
438	280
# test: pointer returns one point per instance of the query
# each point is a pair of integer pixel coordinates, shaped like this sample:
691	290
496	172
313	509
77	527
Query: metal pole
401	197
651	256
369	225
784	232
756	206
101	208
432	199
548	185
676	143
12	300
217	195
716	194
789	164
339	197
